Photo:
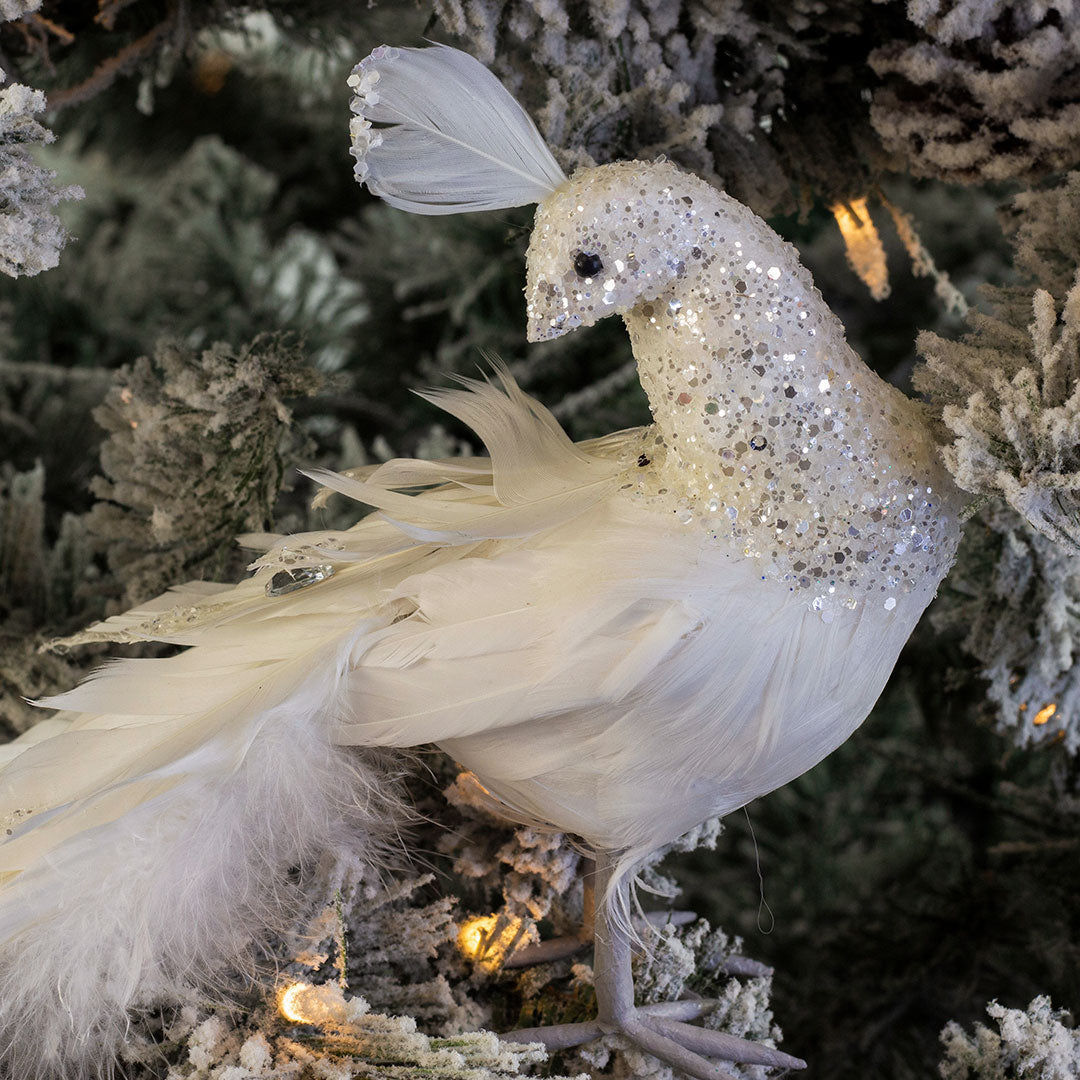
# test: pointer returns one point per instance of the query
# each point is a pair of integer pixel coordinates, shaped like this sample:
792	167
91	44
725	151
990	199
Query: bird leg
659	1030
545	952
559	948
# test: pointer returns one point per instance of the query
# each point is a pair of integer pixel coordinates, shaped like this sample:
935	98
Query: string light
289	1004
487	940
864	249
210	71
1044	714
325	1004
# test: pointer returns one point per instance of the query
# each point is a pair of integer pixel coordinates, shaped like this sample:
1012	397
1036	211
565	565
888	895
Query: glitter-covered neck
769	431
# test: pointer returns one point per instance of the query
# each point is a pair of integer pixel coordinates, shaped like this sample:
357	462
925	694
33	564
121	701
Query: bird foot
547	952
662	1031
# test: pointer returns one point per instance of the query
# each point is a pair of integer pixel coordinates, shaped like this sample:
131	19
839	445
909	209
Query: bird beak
543	329
547	311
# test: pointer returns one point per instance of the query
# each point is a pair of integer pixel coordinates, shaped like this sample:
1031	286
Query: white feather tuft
167	898
455	139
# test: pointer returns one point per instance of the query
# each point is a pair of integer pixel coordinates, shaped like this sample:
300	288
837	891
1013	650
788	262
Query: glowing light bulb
487	940
289	1004
1044	714
325	1005
864	250
474	933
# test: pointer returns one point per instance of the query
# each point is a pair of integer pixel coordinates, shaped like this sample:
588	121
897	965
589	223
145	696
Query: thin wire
763	903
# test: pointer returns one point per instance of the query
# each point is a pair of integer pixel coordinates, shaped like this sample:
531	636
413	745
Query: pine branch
122	62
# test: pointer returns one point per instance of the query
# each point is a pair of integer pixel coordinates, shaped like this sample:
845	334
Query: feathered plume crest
454	137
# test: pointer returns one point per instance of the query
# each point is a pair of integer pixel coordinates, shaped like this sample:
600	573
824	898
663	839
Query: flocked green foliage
42	585
31	235
196	454
189	253
1010	409
1039	1042
1014	599
1009	396
1045	229
985	91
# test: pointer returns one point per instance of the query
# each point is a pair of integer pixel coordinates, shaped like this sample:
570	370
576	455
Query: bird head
450	138
607	239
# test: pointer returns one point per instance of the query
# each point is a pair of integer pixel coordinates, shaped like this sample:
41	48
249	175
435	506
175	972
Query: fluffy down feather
170	892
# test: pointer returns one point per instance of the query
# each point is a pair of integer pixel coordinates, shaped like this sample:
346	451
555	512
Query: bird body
632	661
620	638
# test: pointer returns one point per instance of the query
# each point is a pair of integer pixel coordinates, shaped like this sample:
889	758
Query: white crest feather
455	138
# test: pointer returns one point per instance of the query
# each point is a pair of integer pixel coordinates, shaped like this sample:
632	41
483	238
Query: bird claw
706	1043
661	1030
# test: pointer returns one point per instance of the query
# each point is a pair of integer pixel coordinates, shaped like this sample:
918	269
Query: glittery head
769	433
608	238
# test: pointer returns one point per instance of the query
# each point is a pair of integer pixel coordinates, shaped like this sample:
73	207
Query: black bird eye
587	265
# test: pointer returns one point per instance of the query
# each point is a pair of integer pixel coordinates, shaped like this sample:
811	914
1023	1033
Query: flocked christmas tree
230	305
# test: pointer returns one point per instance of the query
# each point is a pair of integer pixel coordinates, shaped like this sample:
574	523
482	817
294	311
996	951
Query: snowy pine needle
1034	1043
31	235
1017	434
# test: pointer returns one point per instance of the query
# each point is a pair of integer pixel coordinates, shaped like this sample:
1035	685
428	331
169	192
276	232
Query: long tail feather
148	831
138	892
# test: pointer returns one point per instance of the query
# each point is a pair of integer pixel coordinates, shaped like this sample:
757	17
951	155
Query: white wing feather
455	139
153	824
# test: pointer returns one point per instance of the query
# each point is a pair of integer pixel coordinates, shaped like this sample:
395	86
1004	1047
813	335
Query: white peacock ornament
620	638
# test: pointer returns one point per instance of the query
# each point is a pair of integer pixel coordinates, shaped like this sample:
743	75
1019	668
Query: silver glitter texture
363	80
769	433
288	581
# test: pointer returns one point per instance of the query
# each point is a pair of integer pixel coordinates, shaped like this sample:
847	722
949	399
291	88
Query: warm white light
1044	714
290	1002
487	940
864	250
325	1005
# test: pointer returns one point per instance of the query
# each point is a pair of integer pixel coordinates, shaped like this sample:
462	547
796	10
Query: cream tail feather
153	823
